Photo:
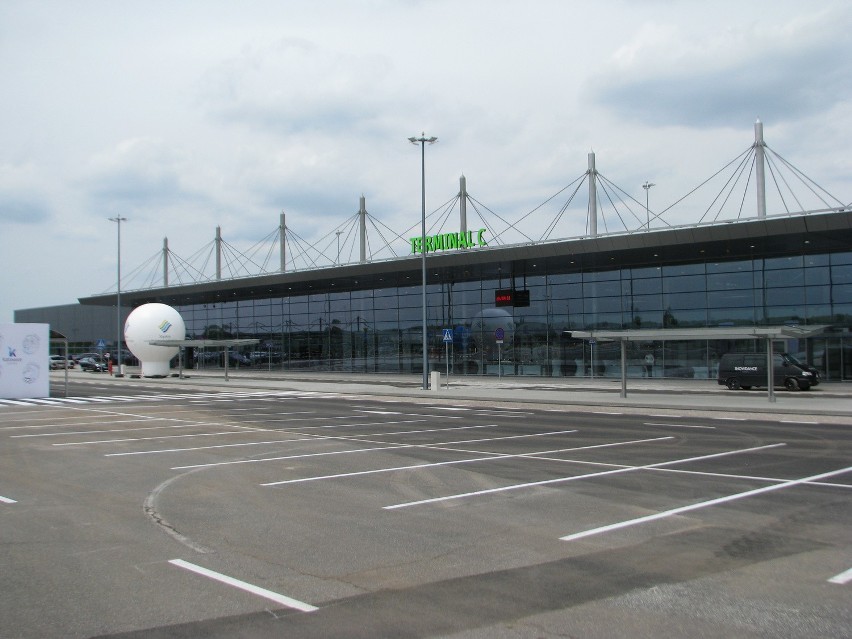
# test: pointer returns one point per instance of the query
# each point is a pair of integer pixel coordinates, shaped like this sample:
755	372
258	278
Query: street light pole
338	247
422	140
647	186
118	220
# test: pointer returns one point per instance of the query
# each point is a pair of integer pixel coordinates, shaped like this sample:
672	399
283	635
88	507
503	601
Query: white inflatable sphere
490	319
151	322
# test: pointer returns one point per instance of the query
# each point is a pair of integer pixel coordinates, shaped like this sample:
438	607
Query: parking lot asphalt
495	508
832	399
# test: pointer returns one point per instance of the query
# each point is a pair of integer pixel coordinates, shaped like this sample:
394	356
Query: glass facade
379	329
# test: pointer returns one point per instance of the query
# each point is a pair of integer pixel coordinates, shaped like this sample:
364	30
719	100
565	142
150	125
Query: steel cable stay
350	233
608	190
731	184
330	237
786	180
681	199
494	236
237	262
302	247
269	242
508	224
375	224
411	229
552	226
599	185
807	182
775	172
611	189
129	277
449	207
177	263
578	181
743	160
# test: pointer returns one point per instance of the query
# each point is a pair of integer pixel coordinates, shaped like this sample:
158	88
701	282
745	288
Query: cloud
666	76
25	209
295	85
138	174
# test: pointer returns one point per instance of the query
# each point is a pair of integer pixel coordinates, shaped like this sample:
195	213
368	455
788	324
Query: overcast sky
185	116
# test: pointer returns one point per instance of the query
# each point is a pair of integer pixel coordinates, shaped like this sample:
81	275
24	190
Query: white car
57	361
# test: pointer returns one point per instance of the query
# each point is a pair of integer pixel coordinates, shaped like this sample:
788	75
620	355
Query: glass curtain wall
379	330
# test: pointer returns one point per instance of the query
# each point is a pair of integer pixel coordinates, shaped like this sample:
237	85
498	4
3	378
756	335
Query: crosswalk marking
195	397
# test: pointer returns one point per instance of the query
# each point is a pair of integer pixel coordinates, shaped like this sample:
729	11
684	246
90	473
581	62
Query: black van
744	370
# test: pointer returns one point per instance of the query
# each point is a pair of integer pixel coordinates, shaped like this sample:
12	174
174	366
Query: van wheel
791	384
733	383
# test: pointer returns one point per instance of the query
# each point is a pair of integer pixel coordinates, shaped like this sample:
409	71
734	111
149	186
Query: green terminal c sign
448	241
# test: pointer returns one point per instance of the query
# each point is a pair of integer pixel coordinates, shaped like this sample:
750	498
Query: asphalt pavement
827	399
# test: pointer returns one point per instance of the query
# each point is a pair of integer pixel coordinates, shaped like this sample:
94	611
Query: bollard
435	382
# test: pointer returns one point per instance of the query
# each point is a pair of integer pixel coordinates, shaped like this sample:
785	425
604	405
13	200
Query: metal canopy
204	343
717	332
767	333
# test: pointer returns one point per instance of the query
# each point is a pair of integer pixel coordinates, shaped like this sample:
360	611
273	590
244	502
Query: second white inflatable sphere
154	322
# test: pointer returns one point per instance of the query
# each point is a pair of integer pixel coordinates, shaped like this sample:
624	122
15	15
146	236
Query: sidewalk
827	399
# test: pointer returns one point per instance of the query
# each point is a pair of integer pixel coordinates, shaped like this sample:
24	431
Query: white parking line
491	457
143	439
364	450
247	587
703	504
679	425
300	439
843	578
559	480
6	500
110	430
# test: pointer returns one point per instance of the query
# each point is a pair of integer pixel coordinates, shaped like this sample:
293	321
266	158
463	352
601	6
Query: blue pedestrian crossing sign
101	345
448	335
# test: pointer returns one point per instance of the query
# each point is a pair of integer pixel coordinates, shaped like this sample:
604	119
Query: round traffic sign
499	333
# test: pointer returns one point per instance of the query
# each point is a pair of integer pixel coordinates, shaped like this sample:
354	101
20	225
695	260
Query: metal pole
422	140
165	262
647	186
760	176
218	253
593	197
592	355
463	204
118	220
770	370
624	368
362	229
282	239
447	344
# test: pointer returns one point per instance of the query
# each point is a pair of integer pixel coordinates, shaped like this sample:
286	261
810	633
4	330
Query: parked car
80	356
815	376
97	365
57	362
744	370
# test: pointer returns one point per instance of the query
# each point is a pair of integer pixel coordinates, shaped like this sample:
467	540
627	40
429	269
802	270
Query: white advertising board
24	361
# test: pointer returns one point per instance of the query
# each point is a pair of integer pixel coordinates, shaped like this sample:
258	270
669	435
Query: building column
593	197
760	177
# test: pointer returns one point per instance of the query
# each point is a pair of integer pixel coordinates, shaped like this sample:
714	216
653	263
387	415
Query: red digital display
512	297
503	298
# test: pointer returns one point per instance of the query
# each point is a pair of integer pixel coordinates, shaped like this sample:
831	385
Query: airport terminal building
367	316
